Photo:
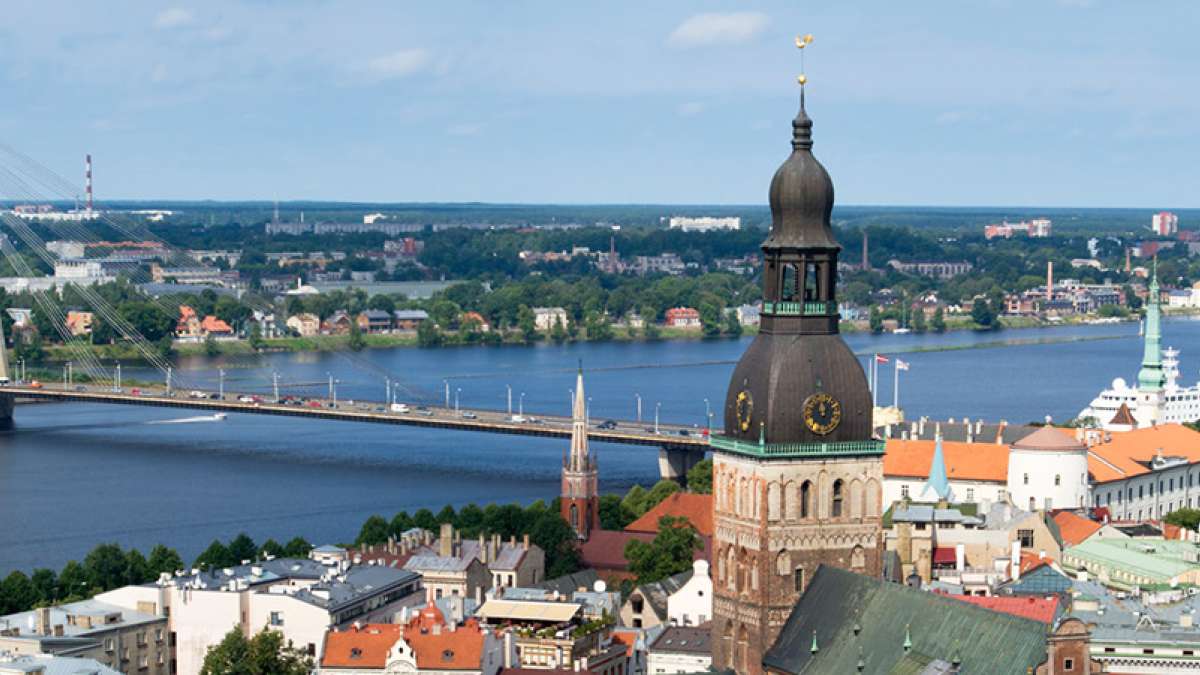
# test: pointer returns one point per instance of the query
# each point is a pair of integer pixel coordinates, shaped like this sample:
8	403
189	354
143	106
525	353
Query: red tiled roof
1048	438
365	647
1128	453
696	508
964	461
186	312
605	549
212	324
1038	609
1074	528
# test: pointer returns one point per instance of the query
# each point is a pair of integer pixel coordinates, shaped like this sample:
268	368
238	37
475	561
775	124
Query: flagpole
896	387
875	379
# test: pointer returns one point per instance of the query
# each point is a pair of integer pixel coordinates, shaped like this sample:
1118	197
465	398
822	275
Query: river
75	475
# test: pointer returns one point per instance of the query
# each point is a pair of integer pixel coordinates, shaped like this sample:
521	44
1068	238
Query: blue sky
1072	103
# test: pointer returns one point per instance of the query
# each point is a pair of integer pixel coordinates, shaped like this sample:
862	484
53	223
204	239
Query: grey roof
886	616
160	289
334	587
25	621
436	563
684	640
329	548
988	432
377	315
570	583
1152	624
54	665
921	513
410	314
657	593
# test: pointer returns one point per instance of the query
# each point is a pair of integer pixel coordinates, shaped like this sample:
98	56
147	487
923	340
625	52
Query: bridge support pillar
674	463
6	410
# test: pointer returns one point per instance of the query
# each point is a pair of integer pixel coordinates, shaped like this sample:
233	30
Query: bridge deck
490	421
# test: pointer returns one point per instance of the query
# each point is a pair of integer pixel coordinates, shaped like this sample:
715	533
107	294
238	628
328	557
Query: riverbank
335	343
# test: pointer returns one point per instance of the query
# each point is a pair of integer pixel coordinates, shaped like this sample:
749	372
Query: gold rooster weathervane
803	41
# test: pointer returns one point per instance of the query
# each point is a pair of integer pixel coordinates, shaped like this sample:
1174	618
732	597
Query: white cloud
399	63
718	28
175	17
691	108
465	129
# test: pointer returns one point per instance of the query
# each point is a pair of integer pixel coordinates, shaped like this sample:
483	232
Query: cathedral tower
580	484
797	476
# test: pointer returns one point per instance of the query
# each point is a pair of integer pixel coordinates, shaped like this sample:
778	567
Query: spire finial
580	366
907	639
814	649
802	125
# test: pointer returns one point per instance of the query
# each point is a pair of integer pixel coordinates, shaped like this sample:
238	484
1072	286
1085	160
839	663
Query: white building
691	604
1164	223
705	223
300	598
1048	469
545	318
680	649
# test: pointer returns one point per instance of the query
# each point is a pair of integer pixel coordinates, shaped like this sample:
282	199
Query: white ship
1156	397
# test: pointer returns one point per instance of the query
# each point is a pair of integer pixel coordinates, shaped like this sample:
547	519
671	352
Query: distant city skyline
1075	103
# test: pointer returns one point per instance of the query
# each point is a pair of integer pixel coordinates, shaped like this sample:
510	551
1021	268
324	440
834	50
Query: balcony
818	308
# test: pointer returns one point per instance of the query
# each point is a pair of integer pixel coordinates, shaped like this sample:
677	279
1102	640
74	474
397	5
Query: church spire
580	477
1151	377
579	460
938	483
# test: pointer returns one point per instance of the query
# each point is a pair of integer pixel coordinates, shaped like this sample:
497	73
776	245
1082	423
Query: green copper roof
1151	377
1158	560
767	450
939	628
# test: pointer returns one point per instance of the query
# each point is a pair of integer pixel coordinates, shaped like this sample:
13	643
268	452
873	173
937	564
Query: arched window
837	499
858	558
783	564
811	286
575	516
787	291
1057	480
806	499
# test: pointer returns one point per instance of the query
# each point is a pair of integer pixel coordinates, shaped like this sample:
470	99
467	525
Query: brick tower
580	484
797	475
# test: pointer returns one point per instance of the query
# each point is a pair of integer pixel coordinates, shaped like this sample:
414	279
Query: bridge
680	447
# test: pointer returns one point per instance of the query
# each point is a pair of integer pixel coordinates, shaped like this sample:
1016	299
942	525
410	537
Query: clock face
822	413
744	407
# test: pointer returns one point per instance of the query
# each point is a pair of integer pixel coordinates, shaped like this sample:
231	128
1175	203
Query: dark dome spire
801	194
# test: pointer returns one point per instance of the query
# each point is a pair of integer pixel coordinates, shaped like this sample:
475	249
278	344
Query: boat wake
219	417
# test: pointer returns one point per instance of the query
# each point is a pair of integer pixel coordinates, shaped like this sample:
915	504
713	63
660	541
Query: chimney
525	541
43	621
970	431
508	648
512	540
960	557
446	541
1050	280
1016	560
483	550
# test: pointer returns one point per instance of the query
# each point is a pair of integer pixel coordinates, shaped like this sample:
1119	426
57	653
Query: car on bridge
607	424
399	408
470	416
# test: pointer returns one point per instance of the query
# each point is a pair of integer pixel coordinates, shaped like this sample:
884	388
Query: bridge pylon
6	400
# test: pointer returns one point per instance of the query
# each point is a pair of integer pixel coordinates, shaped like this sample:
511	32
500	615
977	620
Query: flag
880	358
901	365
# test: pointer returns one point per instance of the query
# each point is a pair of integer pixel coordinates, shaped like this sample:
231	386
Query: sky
1083	103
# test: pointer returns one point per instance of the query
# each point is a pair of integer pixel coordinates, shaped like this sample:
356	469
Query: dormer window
448	655
355	653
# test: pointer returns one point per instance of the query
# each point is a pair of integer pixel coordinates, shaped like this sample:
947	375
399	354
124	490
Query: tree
661	490
163	559
401	522
45	582
72	582
273	549
557	539
918	321
982	314
263	654
356	341
243	548
1188	519
938	323
671	551
298	547
699	477
634	501
446	515
29	348
429	335
106	567
17	593
710	319
211	348
148	319
137	569
216	555
876	320
425	520
558	333
256	337
598	327
733	326
612	515
374	531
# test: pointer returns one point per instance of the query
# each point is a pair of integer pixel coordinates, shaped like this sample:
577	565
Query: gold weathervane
803	41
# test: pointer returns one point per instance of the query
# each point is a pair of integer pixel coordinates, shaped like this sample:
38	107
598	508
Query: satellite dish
1119	384
600	586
